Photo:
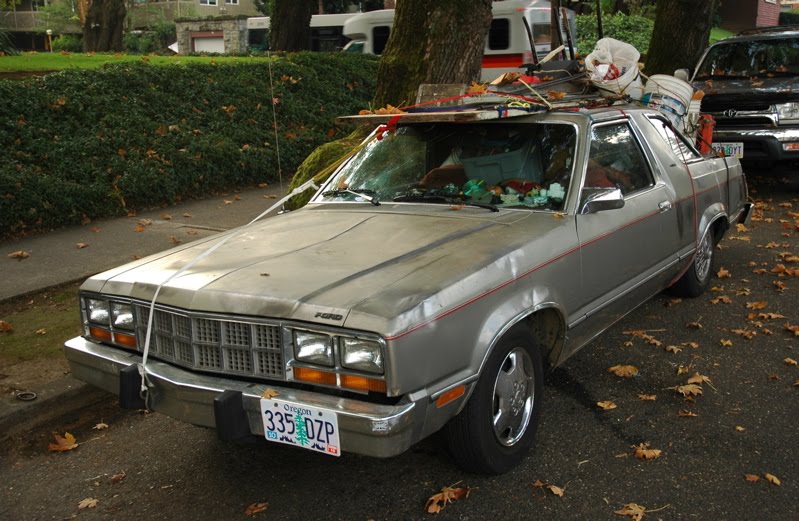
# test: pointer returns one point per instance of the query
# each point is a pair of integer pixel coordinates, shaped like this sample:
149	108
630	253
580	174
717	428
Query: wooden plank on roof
464	116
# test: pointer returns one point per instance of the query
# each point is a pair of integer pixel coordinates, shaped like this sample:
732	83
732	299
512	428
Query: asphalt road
745	423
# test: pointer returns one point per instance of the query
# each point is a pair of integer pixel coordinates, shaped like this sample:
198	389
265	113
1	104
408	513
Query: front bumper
761	144
364	427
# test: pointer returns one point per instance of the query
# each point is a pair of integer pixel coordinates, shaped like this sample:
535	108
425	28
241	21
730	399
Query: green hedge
635	30
789	17
126	137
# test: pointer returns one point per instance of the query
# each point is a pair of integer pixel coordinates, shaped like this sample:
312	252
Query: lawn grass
717	33
42	323
56	61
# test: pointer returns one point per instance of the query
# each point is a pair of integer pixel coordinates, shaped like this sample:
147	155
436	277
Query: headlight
97	311
361	355
788	110
122	316
313	348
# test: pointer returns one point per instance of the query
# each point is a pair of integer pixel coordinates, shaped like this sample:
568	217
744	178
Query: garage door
210	45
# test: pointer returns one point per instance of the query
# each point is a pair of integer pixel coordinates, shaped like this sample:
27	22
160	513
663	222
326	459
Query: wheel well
720	227
548	328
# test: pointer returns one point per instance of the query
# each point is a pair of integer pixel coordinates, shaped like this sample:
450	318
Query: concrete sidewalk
56	258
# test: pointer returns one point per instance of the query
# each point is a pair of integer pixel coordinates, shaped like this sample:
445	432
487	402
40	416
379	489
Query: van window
499	34
380	38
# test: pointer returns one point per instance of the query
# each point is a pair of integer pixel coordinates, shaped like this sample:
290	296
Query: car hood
780	89
321	264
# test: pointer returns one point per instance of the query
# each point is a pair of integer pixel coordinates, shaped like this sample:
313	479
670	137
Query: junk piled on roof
609	74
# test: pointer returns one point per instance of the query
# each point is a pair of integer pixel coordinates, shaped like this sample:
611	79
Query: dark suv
751	85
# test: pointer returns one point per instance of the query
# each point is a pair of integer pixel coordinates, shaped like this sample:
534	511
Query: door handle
664	206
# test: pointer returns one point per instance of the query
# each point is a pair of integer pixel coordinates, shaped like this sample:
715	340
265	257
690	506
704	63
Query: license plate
729	149
301	426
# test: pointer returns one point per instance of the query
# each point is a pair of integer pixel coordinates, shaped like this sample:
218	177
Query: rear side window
682	149
380	38
499	34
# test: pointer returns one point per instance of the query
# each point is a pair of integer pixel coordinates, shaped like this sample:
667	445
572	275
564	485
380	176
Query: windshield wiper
442	199
360	192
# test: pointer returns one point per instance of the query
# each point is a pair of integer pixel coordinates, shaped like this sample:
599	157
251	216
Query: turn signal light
125	340
450	395
790	147
100	334
361	383
314	376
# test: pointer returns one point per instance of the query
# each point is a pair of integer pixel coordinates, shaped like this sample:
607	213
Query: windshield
506	165
746	59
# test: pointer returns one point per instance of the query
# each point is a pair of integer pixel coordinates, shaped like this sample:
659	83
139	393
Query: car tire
497	425
696	280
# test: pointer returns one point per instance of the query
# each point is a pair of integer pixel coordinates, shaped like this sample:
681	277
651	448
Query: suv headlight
788	110
313	348
97	311
361	355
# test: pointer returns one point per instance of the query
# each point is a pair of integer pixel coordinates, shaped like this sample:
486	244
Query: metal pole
599	30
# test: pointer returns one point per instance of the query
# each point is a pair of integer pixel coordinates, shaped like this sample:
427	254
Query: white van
507	46
327	31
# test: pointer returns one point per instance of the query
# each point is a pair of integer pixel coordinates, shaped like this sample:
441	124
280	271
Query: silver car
425	286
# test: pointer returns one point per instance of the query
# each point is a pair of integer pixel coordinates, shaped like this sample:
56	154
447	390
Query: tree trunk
290	29
681	33
102	30
432	42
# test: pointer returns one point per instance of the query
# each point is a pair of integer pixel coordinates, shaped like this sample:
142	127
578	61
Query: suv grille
213	345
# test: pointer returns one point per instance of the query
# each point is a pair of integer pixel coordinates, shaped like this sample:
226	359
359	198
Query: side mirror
600	199
683	74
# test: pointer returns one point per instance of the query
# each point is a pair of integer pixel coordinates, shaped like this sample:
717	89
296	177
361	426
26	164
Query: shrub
635	30
68	42
6	44
125	137
789	17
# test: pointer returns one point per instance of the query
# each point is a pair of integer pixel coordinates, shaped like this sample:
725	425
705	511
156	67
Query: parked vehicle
750	89
327	32
507	46
425	286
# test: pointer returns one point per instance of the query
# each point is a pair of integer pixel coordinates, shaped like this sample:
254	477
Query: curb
57	398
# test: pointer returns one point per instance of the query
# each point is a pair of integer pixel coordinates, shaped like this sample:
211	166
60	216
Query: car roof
762	33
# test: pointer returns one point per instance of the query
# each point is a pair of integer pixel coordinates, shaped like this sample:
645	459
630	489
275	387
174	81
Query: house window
231	2
208	2
771	1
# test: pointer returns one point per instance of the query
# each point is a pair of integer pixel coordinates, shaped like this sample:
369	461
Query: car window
775	56
509	165
682	149
499	34
615	160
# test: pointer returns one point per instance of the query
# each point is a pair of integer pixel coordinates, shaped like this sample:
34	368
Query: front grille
213	345
744	122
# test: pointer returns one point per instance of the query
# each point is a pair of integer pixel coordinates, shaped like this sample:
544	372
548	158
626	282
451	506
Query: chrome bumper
364	428
763	144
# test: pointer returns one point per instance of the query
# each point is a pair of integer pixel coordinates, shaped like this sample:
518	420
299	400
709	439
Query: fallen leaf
555	95
694	325
94	229
643	451
741	228
254	508
648	397
723	273
686	414
538	483
187	215
694	345
437	502
624	371
672	302
746	333
689	390
781	286
63	443
739	428
5	327
790	361
166	216
557	215
456	207
269	393
556	490
756	305
725	343
175	240
89	502
81	245
771	478
41	331
636	512
792	329
752	478
724	299
100	426
673	349
19	255
263	185
606	405
228	201
116	478
699	379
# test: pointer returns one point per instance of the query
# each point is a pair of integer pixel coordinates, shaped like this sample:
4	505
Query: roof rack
767	30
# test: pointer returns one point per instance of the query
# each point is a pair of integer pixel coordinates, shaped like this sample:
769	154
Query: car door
626	252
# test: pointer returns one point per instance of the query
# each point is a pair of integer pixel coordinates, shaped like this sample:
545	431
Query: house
737	15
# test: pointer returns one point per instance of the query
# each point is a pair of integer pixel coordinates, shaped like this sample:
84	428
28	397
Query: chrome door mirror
600	199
